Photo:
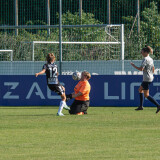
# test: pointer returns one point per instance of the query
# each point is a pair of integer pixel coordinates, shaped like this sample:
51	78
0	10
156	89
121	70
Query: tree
82	52
149	32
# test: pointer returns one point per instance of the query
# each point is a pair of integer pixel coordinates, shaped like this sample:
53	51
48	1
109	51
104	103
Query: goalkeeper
81	95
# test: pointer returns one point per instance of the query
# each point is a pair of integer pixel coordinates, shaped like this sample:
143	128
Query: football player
81	95
50	68
147	67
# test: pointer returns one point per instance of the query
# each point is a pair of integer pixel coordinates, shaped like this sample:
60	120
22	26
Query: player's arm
80	93
138	68
153	69
42	72
76	95
72	95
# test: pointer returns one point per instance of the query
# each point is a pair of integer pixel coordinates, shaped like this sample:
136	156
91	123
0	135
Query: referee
81	95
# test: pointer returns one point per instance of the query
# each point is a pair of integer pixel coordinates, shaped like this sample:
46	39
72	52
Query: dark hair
50	57
147	49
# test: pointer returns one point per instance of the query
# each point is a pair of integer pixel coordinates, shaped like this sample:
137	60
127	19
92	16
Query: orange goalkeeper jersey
83	87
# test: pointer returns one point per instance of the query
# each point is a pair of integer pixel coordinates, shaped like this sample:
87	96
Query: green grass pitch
36	133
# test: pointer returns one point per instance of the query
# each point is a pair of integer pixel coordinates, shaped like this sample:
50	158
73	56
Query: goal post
5	51
113	35
96	48
81	43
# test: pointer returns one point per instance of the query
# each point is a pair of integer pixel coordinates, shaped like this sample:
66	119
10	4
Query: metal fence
23	21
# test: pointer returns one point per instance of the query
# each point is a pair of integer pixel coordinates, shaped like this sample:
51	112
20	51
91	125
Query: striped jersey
51	73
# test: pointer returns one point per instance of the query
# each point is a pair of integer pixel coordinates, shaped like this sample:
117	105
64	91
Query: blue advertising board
106	90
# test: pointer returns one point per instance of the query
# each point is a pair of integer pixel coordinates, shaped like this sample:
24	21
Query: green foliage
22	45
82	52
79	34
149	33
35	22
151	27
94	12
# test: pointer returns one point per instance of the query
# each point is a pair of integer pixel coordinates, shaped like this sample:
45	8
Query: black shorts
145	85
56	88
79	106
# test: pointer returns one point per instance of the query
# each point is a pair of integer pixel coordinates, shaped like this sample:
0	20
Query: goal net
90	48
98	49
6	55
85	44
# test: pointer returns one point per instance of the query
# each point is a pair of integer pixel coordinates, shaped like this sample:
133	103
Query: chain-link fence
141	19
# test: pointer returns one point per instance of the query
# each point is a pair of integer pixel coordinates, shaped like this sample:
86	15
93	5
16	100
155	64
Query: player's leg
63	97
75	107
151	99
61	105
85	107
141	95
61	91
79	107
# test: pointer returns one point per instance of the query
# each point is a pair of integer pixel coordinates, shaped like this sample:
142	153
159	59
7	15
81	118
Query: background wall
105	91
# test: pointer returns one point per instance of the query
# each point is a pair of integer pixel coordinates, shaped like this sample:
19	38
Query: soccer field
32	133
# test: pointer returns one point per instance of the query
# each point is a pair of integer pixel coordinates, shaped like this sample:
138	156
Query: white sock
61	105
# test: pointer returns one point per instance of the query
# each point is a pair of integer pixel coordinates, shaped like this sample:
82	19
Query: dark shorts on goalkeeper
56	88
79	106
145	85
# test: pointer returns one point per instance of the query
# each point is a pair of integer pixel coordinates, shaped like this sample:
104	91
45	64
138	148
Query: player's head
85	75
50	57
146	50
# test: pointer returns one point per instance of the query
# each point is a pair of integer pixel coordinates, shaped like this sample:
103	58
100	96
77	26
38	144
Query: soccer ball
76	76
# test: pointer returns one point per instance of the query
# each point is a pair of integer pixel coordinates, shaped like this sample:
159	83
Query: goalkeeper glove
68	97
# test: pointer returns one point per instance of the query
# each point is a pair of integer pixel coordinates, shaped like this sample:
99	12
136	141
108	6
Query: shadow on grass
34	115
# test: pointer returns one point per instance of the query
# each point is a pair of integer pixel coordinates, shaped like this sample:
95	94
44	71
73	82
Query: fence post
108	12
11	55
33	51
16	15
122	46
138	17
80	8
48	16
60	36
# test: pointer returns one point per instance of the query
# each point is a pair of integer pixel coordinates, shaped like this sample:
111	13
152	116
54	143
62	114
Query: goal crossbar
8	50
57	42
54	26
114	41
